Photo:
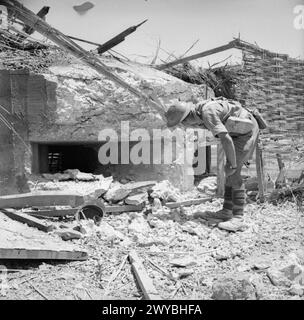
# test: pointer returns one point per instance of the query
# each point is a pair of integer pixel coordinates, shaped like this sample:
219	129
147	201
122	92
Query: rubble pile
184	255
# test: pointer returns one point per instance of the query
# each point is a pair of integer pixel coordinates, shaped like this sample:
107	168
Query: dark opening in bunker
52	158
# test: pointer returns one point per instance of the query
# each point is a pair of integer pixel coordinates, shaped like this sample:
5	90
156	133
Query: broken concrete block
183	262
56	176
107	231
139	225
233	287
296	290
137	199
207	185
103	186
166	191
116	193
294	272
184	273
68	234
80	229
277	278
75	174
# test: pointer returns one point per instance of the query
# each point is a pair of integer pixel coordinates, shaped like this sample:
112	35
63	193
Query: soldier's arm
229	149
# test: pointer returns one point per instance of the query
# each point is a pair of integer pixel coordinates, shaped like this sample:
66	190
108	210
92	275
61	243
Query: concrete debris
137	199
277	278
104	185
57	176
164	190
139	225
195	229
108	232
76	174
208	185
296	290
287	272
116	193
184	273
183	262
68	234
233	287
80	229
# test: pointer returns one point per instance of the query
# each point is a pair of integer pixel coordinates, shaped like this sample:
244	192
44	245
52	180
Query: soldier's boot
237	222
225	213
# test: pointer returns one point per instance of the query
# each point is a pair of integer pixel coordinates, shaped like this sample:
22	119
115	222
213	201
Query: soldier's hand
229	170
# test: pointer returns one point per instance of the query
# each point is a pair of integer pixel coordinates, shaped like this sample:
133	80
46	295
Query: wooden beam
260	171
144	281
41	254
52	213
126	208
220	170
118	39
230	45
32	20
29	220
41	199
187	203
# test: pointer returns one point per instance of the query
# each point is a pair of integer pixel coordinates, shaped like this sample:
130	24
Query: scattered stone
57	176
294	272
107	231
233	287
151	242
116	193
296	290
104	185
68	234
183	262
75	174
139	225
164	190
80	229
261	265
184	273
207	185
137	199
277	278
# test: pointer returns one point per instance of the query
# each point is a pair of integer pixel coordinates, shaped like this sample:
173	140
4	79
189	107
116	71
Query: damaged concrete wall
72	103
14	146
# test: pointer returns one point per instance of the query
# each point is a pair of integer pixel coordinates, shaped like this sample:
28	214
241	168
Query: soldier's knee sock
228	204
238	199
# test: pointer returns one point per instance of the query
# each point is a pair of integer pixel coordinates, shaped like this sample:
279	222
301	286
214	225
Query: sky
177	24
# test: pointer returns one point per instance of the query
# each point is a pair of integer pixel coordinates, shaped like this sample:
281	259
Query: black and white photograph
151	150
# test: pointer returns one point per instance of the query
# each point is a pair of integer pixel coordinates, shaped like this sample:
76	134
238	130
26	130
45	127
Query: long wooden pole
230	45
32	20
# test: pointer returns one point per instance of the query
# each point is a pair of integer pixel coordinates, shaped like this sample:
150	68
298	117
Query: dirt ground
272	233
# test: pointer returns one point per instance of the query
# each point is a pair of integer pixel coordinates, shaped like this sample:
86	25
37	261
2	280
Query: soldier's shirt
214	113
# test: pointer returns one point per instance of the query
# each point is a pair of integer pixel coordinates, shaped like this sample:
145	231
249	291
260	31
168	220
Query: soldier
238	141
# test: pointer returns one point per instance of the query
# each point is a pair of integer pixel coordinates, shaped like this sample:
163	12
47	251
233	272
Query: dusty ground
273	233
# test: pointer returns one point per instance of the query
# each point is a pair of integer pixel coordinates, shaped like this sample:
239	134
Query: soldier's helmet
176	113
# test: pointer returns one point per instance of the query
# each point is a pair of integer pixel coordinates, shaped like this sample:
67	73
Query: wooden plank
230	45
145	282
187	203
138	185
220	170
53	212
260	172
126	208
29	220
41	199
40	254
